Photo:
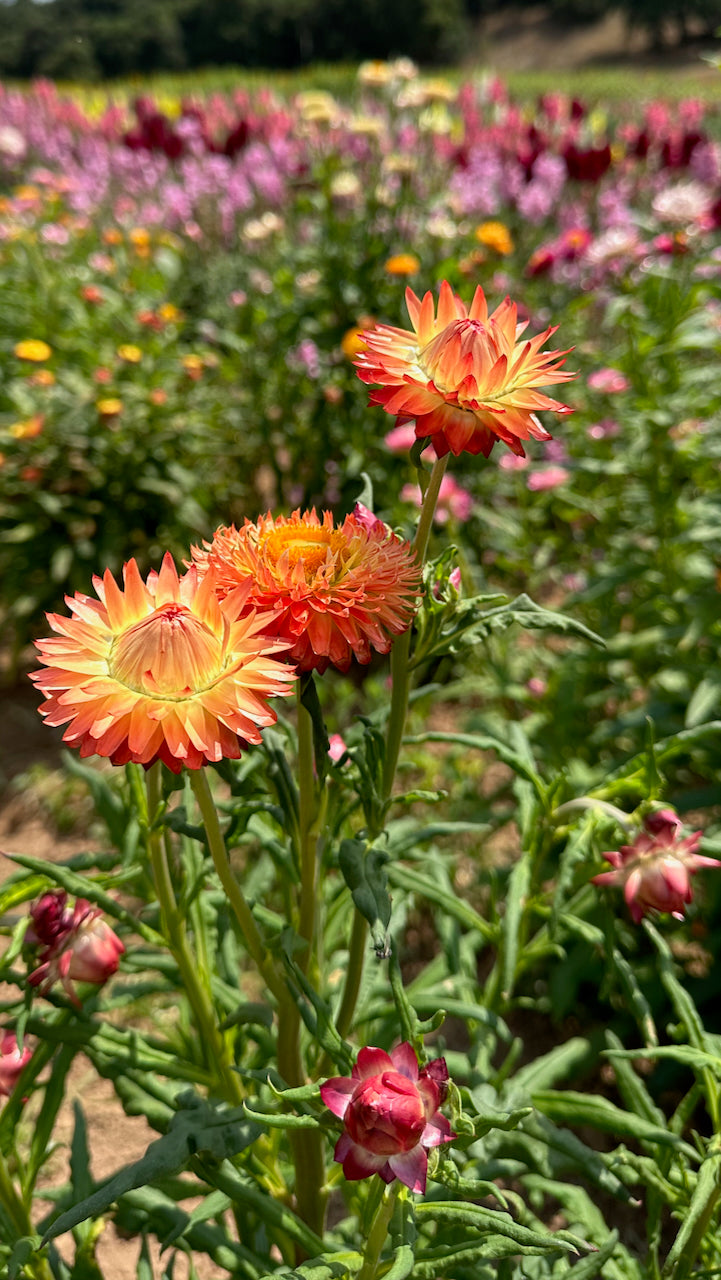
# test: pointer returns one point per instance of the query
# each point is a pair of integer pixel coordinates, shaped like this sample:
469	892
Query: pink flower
77	944
365	517
390	1114
655	870
12	1062
336	747
608	381
536	686
547	478
454	502
402	439
604	430
512	462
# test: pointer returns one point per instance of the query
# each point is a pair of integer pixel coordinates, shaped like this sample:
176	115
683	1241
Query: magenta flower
12	1062
654	872
390	1113
77	944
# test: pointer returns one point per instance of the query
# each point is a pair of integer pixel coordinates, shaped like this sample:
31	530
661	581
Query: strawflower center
311	548
463	347
170	654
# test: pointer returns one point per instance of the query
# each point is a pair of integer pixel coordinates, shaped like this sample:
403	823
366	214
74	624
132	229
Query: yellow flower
193	366
317	107
110	407
28	429
33	349
352	342
139	237
130	353
495	235
169	312
402	264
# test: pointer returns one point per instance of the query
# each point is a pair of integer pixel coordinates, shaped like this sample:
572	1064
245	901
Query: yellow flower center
169	654
303	545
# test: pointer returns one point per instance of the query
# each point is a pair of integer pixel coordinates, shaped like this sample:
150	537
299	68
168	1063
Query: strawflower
160	671
390	1113
654	872
77	944
462	374
495	235
402	264
12	1062
335	592
33	349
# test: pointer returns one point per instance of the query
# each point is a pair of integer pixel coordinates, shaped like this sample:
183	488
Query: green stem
173	925
251	934
378	1234
308	841
38	1268
354	973
400	653
581	803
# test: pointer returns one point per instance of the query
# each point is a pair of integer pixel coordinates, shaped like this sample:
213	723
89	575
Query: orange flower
495	235
28	429
33	349
336	592
462	374
402	264
352	342
160	671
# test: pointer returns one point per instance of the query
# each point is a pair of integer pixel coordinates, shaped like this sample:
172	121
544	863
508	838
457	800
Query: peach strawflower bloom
462	374
336	592
33	349
161	670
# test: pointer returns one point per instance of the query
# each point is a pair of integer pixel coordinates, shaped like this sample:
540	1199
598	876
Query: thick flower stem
354	973
400	653
378	1234
236	897
173	926
308	840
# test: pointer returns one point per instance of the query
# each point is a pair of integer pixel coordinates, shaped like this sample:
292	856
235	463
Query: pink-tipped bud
78	944
655	871
12	1062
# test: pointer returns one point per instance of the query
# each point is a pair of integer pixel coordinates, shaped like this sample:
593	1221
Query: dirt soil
517	40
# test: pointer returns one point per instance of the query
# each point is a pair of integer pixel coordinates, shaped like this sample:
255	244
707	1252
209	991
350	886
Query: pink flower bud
390	1112
608	381
12	1062
655	871
78	944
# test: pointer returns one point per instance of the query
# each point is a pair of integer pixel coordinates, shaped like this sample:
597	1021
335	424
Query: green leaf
516	760
23	1252
592	1109
703	700
281	1120
52	1101
696	1220
414	882
197	1128
518	888
309	699
487	1221
362	867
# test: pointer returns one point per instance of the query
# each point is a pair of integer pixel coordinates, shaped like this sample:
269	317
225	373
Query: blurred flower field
193	293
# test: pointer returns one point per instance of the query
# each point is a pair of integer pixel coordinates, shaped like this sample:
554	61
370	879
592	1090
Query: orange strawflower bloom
160	671
402	264
462	374
336	592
